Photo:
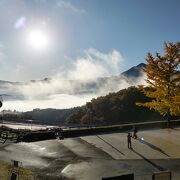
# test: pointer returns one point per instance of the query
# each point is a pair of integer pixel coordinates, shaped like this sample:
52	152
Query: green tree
163	81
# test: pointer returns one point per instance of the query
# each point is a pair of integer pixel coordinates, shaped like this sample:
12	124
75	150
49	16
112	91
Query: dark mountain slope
115	108
135	71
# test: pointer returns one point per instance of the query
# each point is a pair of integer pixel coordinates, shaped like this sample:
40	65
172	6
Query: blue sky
128	27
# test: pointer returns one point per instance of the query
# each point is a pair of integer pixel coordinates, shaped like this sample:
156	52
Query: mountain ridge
135	71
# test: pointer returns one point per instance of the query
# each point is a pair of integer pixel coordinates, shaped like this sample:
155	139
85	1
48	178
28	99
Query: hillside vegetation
50	116
114	108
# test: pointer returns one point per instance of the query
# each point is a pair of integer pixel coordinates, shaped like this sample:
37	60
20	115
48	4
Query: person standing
135	133
129	140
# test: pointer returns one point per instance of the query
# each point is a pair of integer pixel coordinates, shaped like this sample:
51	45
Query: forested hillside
114	108
50	116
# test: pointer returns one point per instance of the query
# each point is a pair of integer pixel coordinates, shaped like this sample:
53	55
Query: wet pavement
94	157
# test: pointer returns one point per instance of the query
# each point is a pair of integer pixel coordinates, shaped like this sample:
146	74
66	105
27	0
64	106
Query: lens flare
21	22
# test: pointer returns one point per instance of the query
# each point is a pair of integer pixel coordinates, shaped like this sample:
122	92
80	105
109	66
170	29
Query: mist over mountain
131	76
111	99
63	93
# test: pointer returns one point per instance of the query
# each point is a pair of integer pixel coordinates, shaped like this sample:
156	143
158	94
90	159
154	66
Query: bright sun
37	39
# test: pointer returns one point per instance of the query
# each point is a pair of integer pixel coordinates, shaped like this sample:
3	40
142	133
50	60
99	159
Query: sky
81	39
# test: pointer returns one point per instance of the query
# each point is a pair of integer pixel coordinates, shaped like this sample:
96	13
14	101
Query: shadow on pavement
175	129
110	144
152	146
160	168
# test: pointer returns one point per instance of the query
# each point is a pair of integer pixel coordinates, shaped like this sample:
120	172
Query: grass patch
6	169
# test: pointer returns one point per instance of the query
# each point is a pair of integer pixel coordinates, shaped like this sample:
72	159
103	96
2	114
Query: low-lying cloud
92	75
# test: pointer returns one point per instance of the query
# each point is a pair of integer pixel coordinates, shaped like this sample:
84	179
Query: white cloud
94	64
110	61
87	70
67	5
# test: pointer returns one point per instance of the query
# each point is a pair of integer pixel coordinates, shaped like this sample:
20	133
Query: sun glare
38	39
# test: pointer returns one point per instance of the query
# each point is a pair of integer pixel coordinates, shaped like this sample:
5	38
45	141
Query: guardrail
41	135
75	132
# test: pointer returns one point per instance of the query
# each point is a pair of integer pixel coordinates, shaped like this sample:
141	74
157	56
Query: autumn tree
163	79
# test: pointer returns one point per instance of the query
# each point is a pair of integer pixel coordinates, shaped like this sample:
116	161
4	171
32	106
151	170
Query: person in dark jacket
135	133
129	140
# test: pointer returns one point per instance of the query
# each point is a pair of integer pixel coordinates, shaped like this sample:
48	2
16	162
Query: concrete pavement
94	157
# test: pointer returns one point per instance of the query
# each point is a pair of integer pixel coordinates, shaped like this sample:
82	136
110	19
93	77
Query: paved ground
94	157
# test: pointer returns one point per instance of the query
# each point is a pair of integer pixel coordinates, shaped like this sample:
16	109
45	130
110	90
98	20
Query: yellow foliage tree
163	80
